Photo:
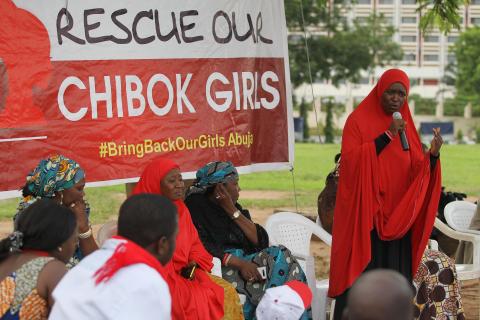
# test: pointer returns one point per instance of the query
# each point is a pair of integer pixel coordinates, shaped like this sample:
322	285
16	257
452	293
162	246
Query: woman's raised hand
436	143
79	209
222	197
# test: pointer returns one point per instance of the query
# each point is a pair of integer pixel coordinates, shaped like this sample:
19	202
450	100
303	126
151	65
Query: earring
61	198
59	249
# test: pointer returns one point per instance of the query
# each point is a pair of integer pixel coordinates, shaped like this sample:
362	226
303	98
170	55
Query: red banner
115	114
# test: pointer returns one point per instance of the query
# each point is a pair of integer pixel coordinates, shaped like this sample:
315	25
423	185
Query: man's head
380	295
150	221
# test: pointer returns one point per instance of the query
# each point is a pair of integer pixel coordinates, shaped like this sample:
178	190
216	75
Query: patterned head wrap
56	173
213	173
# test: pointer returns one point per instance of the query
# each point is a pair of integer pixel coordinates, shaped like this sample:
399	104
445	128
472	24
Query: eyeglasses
400	93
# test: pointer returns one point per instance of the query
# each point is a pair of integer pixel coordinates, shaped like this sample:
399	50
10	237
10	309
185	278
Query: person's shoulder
142	276
195	201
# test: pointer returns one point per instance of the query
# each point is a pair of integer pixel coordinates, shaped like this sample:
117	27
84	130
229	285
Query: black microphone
403	138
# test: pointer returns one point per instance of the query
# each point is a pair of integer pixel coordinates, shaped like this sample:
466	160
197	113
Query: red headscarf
393	192
200	298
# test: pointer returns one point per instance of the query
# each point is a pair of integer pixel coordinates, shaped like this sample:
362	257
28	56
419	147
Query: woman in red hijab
199	297
387	197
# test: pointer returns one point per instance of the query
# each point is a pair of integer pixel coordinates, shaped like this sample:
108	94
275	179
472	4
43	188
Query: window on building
409	57
295	38
452	39
409	19
361	20
385	1
431	38
430	57
474	2
364	1
408	38
388	19
409	1
475	21
364	80
430	82
451	58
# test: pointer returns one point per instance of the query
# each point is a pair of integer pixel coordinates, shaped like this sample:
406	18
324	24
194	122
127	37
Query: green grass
460	171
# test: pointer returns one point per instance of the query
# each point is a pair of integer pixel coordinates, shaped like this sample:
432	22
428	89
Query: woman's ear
59	196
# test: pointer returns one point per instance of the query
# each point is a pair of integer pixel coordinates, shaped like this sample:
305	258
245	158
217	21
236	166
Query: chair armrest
322	234
477	232
456	234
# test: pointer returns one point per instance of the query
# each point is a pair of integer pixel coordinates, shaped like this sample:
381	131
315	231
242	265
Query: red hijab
200	298
393	192
150	183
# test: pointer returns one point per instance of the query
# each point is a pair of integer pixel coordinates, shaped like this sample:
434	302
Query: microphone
403	138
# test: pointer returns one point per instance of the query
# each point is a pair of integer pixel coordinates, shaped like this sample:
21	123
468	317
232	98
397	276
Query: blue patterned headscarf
213	173
56	173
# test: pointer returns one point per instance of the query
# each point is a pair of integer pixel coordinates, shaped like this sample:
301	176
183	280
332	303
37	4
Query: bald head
380	295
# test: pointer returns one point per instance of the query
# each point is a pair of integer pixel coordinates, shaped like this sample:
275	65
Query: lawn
460	169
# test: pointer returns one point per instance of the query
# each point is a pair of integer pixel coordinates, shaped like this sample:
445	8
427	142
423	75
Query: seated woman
228	233
63	180
32	260
195	297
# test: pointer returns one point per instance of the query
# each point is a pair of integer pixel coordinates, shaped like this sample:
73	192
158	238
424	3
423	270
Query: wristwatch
236	215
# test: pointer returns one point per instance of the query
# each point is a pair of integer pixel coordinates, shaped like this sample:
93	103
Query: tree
329	130
442	14
304	107
342	50
467	71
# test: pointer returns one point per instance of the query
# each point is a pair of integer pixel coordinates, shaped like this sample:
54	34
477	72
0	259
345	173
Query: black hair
145	218
45	225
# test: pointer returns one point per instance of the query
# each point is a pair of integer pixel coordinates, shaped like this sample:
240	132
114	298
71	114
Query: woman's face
74	193
393	98
172	185
67	248
233	188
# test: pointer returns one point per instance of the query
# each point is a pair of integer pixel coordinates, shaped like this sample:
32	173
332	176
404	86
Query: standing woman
62	180
194	294
387	196
32	260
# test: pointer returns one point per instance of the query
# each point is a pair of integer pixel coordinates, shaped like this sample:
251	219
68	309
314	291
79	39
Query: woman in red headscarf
387	197
198	297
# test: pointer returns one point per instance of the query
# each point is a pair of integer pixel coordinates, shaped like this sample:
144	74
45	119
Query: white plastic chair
294	231
459	214
464	271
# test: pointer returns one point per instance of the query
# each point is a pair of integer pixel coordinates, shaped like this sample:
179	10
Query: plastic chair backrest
295	231
459	214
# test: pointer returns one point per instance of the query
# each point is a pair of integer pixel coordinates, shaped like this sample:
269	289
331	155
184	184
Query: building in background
424	60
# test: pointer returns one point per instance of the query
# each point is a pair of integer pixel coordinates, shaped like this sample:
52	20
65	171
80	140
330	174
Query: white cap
287	302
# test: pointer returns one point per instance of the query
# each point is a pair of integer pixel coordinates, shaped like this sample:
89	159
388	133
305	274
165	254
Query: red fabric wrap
200	298
393	192
126	254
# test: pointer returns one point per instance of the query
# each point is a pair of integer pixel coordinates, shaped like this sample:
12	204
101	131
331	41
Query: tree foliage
304	107
329	130
341	51
467	65
443	14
